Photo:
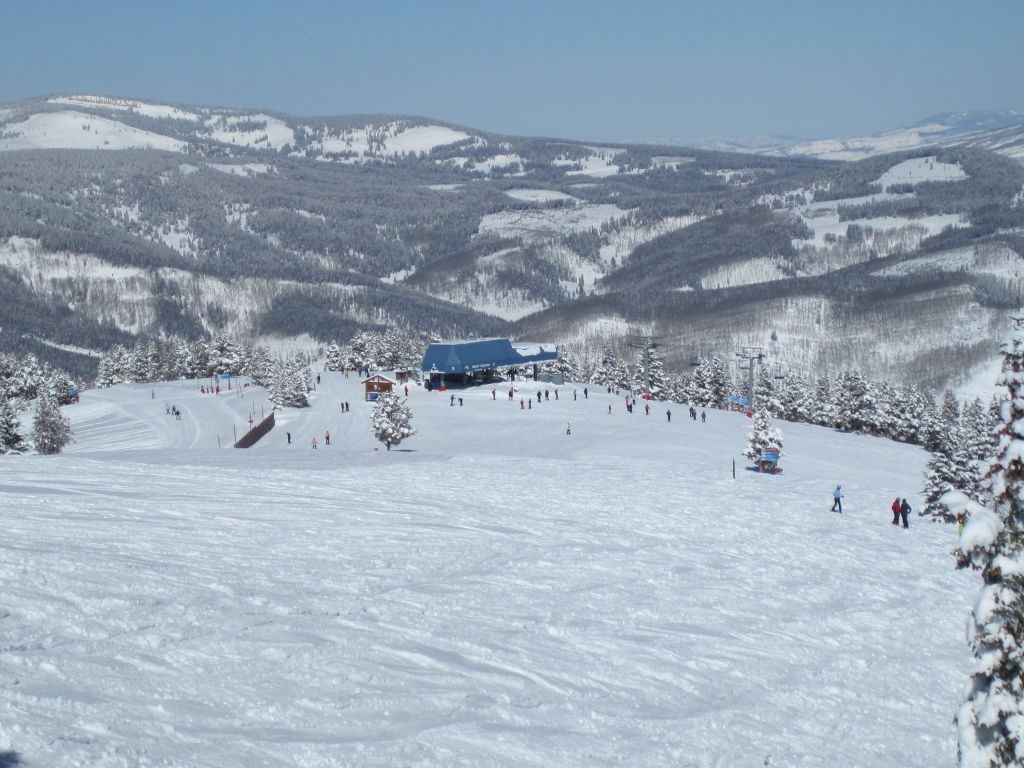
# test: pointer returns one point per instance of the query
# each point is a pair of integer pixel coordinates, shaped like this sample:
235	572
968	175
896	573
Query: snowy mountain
493	592
997	131
125	218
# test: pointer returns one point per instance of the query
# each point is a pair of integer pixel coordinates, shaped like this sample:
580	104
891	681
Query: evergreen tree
334	361
765	436
989	721
610	372
854	403
11	440
391	419
289	385
51	429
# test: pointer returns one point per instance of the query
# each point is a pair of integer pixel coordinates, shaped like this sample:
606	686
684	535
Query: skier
668	415
693	413
609	409
647	409
904	512
703	417
314	443
494	394
837	499
896	511
510	390
574	394
585	396
327	437
522	405
289	434
452	401
568	428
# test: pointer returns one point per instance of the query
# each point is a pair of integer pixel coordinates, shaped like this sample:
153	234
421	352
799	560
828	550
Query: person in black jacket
904	512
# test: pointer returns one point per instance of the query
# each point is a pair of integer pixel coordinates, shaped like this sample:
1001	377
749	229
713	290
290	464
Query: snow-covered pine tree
941	476
260	367
710	384
990	722
979	430
949	411
11	440
51	430
333	361
391	419
288	385
854	403
656	375
823	408
765	436
766	393
609	372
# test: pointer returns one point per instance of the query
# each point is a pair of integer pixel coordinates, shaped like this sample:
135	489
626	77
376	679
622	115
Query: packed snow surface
494	591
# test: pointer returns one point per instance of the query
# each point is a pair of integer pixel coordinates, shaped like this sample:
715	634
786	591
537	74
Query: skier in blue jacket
837	500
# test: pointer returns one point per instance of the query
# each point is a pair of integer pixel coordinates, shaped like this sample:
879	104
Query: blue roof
482	355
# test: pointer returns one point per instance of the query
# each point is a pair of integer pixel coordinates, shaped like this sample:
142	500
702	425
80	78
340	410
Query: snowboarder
837	499
904	512
896	511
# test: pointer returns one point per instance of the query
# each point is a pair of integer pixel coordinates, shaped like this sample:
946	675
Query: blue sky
637	70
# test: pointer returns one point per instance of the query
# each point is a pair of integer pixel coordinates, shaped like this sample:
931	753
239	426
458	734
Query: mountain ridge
161	218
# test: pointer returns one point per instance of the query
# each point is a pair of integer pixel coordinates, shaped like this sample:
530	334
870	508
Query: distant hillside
997	131
122	218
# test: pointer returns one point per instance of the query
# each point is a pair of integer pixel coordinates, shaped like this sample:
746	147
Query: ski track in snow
490	592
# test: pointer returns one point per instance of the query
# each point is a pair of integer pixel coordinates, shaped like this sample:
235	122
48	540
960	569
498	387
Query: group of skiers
900	507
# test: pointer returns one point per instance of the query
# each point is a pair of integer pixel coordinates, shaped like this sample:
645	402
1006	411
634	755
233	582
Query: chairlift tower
750	357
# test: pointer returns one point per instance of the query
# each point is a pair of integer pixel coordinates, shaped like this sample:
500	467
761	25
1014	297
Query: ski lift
778	372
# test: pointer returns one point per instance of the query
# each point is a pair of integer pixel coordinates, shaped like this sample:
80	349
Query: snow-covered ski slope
494	592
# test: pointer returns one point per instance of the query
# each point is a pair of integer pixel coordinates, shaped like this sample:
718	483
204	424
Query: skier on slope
904	513
896	511
837	499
